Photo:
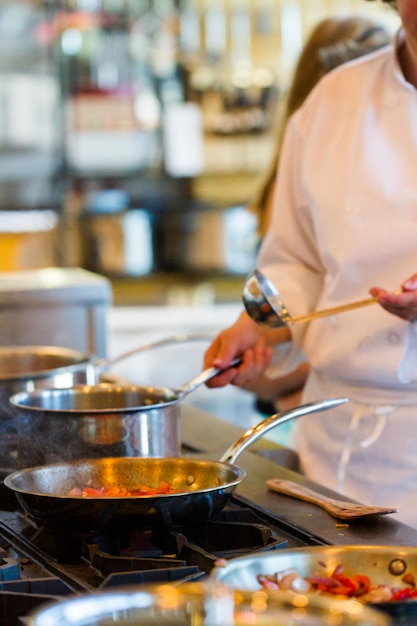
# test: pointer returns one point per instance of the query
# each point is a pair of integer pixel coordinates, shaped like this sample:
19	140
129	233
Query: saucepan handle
253	434
204	376
103	365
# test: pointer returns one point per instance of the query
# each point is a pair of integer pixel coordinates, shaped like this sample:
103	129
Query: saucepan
388	568
25	368
199	488
28	368
100	420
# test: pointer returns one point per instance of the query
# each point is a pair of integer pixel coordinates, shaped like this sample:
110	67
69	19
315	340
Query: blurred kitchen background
133	134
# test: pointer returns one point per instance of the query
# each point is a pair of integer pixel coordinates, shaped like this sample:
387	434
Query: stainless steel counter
211	436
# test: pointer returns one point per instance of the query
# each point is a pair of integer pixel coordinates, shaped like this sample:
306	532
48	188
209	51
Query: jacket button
394	338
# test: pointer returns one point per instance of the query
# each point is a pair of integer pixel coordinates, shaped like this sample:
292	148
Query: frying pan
203	486
199	603
385	565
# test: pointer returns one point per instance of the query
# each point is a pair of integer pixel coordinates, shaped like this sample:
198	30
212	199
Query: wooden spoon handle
325	312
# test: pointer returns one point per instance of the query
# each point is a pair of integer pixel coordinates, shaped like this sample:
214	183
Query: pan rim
22	399
10	479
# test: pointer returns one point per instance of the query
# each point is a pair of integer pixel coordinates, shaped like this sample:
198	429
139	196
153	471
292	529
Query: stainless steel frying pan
204	486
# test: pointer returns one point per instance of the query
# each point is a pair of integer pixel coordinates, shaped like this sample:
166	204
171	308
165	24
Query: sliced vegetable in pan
358	586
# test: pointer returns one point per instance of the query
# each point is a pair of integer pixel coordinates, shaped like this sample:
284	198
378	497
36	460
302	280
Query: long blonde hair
332	42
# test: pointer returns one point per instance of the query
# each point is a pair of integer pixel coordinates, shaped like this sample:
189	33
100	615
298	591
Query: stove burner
38	564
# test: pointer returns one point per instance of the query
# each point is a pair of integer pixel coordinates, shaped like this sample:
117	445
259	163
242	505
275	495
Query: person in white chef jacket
344	223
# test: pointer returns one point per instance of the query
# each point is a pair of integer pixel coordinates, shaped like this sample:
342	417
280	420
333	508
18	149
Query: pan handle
254	433
103	365
203	377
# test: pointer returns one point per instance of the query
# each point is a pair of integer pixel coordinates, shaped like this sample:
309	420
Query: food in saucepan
119	491
338	583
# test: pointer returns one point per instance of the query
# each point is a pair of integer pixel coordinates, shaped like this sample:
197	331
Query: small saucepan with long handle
101	420
25	368
199	488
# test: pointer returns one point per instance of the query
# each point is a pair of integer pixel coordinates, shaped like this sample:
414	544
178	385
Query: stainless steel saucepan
100	420
25	368
202	487
29	368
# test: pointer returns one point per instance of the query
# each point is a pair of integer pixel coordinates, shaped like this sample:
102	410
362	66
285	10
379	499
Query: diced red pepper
401	594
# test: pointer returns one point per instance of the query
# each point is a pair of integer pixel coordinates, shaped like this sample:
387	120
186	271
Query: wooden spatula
337	508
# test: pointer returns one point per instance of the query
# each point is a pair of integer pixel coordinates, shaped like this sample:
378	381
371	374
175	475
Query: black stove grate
37	564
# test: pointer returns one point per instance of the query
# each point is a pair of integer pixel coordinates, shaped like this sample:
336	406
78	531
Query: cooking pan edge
383	564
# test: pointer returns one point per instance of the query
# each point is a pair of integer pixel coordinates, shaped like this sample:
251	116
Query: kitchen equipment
25	368
385	565
208	238
340	509
205	604
41	564
100	420
265	306
122	242
55	306
203	487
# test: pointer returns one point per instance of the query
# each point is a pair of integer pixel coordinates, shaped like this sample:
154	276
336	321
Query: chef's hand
247	340
403	304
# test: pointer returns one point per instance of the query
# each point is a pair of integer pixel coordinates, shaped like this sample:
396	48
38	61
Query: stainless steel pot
123	243
202	487
28	368
25	368
100	421
211	239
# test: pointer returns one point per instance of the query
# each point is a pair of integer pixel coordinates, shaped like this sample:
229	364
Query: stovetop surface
37	565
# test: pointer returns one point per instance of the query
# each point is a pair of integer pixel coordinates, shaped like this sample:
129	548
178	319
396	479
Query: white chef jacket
345	219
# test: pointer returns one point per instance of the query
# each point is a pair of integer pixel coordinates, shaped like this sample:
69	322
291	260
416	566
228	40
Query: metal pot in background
211	239
26	368
119	241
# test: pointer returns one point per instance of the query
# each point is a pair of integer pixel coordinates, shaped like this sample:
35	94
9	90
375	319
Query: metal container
201	488
55	307
103	420
384	565
121	243
211	239
24	369
93	421
196	603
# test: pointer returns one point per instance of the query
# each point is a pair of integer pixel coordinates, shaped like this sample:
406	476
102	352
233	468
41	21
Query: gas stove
38	565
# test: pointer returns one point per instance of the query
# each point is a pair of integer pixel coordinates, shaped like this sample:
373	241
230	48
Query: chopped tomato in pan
121	492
